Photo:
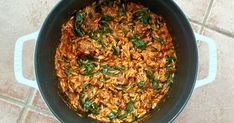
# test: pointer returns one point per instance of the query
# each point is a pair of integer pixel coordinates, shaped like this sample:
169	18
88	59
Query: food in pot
116	61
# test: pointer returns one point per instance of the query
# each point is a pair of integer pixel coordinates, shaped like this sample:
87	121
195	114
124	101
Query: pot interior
183	40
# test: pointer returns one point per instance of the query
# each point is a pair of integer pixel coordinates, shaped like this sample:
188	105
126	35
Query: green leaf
169	60
121	117
135	117
169	78
155	84
82	100
95	109
161	41
107	18
168	68
105	30
149	76
130	106
142	15
112	115
88	104
67	71
88	67
144	19
79	19
115	51
119	68
138	43
105	69
141	84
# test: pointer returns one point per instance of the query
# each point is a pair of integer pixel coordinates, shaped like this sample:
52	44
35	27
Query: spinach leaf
88	104
138	43
149	76
169	78
144	19
67	71
135	117
107	18
169	60
88	67
115	51
142	15
105	30
82	100
161	41
168	68
78	20
119	68
112	115
130	106
122	116
153	82
95	109
141	84
107	70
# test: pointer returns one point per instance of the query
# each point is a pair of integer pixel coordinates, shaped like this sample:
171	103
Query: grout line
219	30
12	101
24	111
206	15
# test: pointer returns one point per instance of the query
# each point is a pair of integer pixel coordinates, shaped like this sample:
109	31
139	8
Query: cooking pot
185	80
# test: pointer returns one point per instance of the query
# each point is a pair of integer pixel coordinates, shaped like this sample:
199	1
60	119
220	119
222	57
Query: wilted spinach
141	84
153	82
88	67
112	115
142	15
78	20
161	41
115	51
138	43
67	71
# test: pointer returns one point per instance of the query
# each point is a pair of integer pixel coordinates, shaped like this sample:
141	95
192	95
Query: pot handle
18	69
212	60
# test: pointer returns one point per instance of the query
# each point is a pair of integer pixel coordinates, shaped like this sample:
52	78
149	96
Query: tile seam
206	15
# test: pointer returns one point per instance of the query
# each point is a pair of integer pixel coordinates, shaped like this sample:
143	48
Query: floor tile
194	9
9	113
221	15
18	18
36	117
38	101
214	103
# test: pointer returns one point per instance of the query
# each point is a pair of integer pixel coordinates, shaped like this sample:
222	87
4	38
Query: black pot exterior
183	39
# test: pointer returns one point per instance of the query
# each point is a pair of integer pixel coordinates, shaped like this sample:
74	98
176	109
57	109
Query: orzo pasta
115	61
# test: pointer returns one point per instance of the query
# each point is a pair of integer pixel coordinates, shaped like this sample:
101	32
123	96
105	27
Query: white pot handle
32	83
18	60
212	60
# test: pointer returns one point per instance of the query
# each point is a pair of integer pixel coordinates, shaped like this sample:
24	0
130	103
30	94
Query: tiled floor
212	103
